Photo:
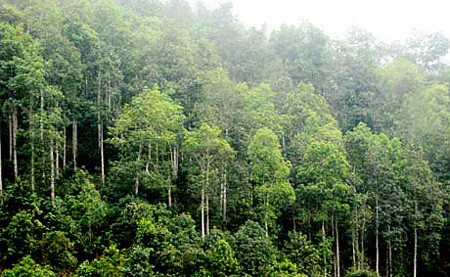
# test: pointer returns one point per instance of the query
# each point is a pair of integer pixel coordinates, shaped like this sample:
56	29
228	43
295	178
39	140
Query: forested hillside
153	138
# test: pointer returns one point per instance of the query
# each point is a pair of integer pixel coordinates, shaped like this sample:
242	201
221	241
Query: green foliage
253	248
111	263
361	273
345	141
301	251
28	267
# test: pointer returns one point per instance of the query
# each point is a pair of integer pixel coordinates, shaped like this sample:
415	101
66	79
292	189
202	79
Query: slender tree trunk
100	129
32	165
361	261
207	212
74	143
52	173
266	223
1	170
136	185
333	232
64	160
57	159
355	238
202	211
31	131
101	147
338	257
416	209
324	255
225	186
14	143
389	263
354	242
174	161
377	249
10	121
206	194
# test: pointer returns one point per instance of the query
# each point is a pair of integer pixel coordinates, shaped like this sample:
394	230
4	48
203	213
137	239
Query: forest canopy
155	138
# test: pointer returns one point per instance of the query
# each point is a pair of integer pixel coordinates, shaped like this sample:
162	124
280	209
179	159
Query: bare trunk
1	172
101	147
225	185
52	173
169	196
377	249
324	255
57	159
389	263
361	261
207	212
41	120
416	209
174	161
202	211
100	129
10	121
32	165
136	185
74	143
31	130
266	221
354	251
338	262
64	158
206	192
14	143
223	196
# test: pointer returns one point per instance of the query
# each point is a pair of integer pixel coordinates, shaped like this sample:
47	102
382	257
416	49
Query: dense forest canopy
152	138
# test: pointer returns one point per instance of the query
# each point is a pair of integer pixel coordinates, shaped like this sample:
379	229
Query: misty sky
388	20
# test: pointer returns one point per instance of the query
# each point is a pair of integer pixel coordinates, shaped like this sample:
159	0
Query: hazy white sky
388	20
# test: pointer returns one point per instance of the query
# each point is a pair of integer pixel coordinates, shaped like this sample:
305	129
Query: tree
269	173
207	150
152	122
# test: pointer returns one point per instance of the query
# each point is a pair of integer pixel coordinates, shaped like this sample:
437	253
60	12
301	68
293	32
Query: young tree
208	150
269	176
147	134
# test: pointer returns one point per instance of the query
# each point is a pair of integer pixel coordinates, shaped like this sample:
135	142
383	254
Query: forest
159	138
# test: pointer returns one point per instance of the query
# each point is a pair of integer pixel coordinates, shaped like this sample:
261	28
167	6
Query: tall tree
207	149
269	174
147	132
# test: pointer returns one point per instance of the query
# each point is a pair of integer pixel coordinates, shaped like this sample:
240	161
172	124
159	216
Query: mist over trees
153	138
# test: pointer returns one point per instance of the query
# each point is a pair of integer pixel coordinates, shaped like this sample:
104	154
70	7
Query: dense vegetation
151	138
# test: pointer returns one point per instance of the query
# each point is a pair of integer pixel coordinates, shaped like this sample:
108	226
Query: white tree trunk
57	160
10	121
377	249
202	212
338	257
207	212
225	184
52	173
64	158
100	129
416	209
14	143
101	147
136	185
1	172
74	143
32	165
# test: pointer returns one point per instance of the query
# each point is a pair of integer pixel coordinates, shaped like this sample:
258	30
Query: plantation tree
426	121
147	134
208	150
399	80
269	174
